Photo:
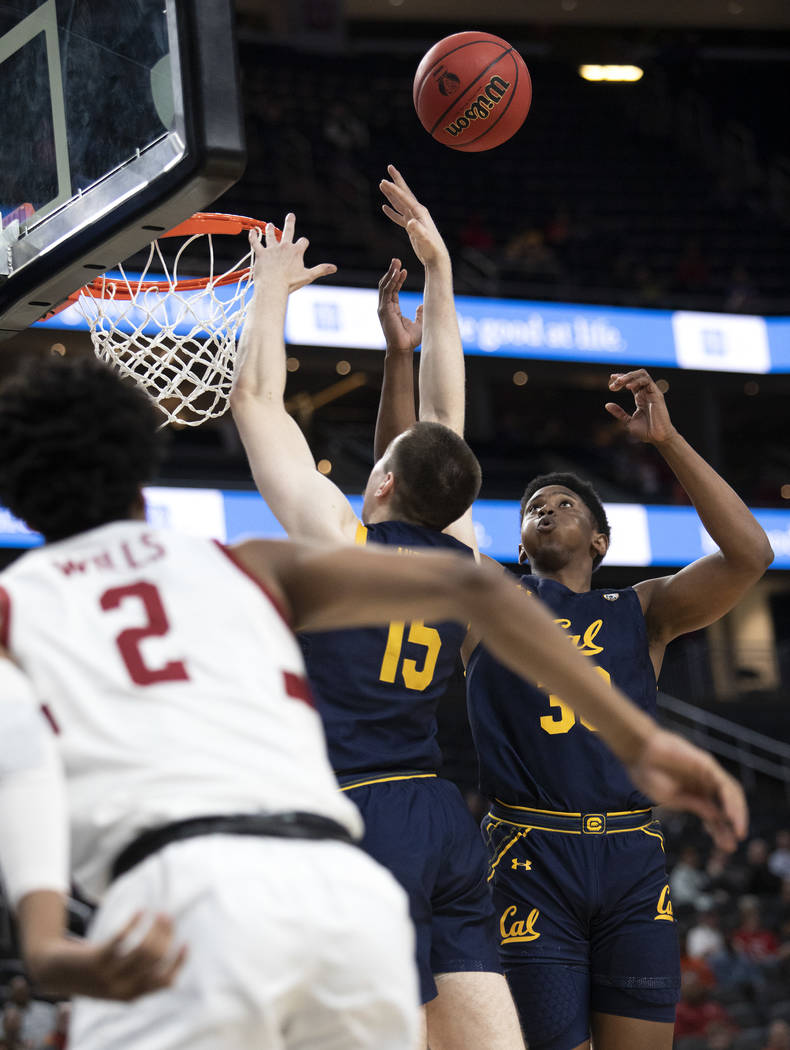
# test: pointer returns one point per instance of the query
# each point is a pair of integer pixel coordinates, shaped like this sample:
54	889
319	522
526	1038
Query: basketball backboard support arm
189	148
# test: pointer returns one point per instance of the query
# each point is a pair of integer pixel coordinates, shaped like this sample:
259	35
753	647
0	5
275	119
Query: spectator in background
695	964
37	1017
705	939
760	880
778	1036
688	882
721	1036
783	917
696	1011
779	860
726	875
751	939
735	973
12	1029
58	1037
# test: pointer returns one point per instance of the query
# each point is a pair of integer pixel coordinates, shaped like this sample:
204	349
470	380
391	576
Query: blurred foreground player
585	922
35	867
197	775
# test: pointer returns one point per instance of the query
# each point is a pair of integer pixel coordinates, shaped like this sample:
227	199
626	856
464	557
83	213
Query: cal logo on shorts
594	823
664	907
518	929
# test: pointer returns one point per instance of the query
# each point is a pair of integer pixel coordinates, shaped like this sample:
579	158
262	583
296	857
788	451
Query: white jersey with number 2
176	687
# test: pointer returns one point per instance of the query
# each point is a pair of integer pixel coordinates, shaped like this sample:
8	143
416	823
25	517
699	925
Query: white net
179	344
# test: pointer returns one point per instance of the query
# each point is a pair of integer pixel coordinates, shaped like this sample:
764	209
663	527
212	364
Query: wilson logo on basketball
493	93
519	929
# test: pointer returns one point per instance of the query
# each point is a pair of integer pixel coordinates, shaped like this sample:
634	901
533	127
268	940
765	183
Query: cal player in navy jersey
586	929
576	865
378	689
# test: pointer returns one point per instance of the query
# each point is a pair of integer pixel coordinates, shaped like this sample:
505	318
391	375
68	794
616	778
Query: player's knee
552	1002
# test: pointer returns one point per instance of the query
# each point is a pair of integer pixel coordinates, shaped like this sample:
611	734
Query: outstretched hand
283	259
677	774
650	420
402	334
405	210
111	969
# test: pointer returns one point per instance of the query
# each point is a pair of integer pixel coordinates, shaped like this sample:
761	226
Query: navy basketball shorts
419	827
584	925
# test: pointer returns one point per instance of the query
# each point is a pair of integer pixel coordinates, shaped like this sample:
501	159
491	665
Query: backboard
118	120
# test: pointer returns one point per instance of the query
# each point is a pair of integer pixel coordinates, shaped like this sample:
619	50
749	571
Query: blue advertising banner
641	535
324	315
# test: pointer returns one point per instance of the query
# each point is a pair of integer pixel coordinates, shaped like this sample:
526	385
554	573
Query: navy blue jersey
377	689
533	749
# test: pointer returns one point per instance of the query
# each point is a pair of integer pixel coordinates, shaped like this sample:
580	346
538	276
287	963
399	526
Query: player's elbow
758	556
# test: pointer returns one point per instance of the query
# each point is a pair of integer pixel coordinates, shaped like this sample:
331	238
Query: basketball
472	91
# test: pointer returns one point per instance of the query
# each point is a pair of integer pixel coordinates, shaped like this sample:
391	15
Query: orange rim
203	222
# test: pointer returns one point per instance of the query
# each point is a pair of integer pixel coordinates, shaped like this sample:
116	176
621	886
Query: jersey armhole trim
278	606
361	535
5	618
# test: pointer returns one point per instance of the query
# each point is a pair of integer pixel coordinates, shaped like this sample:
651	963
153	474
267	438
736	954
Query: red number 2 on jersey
128	641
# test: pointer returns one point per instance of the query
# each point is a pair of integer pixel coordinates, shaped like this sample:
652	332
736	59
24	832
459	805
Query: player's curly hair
437	475
583	490
76	444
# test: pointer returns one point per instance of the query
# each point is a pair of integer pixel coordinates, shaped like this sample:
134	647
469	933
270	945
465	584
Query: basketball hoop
176	337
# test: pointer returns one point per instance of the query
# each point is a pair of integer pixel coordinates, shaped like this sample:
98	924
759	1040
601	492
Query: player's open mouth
545	525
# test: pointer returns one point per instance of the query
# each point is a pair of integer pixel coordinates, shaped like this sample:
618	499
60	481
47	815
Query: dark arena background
609	227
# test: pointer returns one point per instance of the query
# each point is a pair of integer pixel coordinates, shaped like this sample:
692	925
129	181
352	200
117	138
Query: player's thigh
463	929
407	831
363	992
635	958
539	882
473	1010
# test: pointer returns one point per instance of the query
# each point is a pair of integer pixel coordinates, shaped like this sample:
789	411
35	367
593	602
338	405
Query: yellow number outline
414	677
565	718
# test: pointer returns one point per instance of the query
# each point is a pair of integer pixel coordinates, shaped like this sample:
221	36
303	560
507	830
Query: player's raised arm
442	379
402	336
708	588
306	503
352	587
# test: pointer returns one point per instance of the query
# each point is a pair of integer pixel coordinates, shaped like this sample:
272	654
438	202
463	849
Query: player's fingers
617	411
288	228
387	278
418	315
397	178
113	946
399	280
150	953
271	235
169	974
401	198
734	806
321	270
396	217
255	238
